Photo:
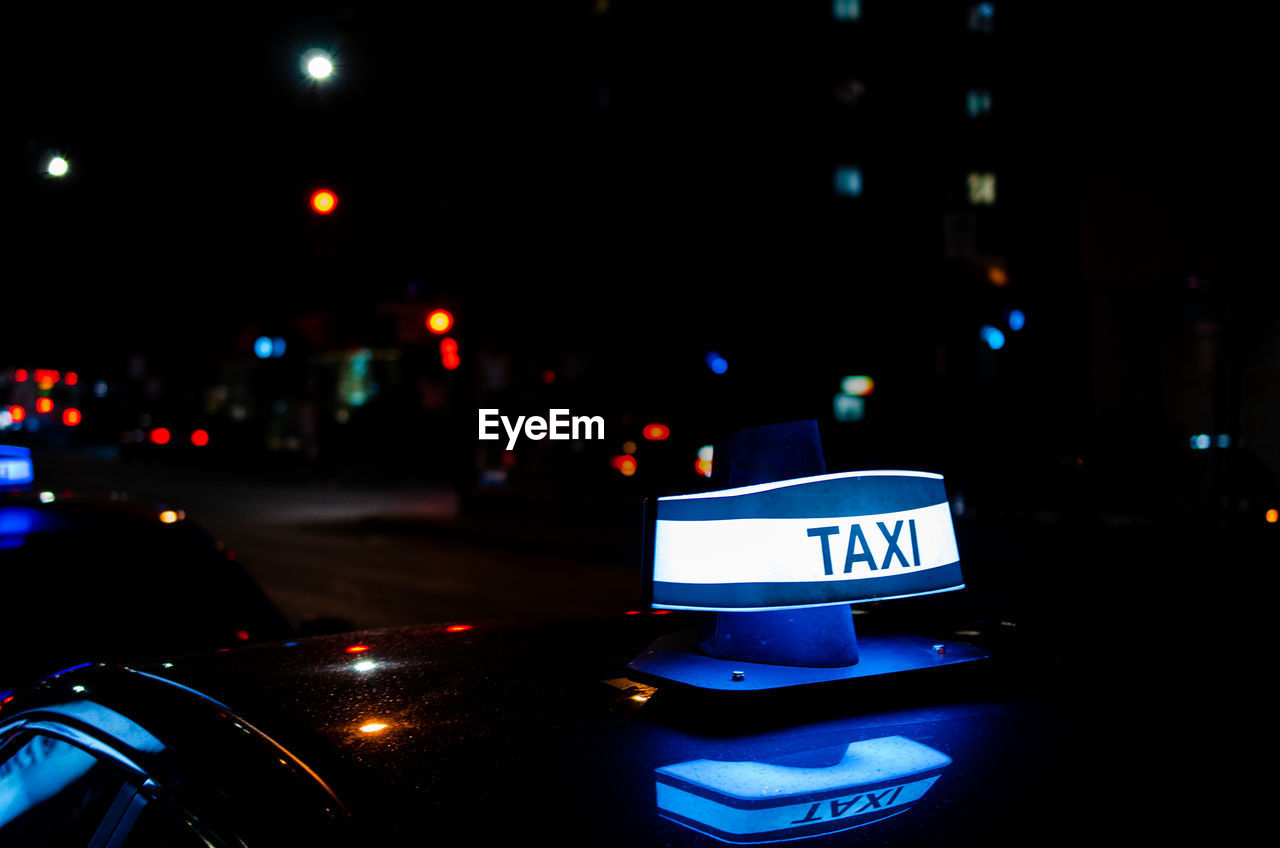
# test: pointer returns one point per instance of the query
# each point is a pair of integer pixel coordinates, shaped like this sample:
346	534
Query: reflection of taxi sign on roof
753	802
16	468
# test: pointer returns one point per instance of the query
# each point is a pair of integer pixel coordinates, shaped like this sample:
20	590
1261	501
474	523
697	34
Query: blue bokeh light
1017	319
992	336
717	363
848	181
262	347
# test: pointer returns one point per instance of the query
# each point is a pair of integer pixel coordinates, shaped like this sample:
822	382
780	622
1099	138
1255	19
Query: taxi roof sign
831	539
778	555
16	468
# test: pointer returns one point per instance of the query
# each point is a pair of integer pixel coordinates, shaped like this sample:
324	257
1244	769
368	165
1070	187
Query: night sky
658	170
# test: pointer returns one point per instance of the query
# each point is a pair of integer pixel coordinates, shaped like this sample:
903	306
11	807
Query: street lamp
318	65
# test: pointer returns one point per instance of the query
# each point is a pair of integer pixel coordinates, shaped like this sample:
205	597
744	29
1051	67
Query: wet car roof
501	732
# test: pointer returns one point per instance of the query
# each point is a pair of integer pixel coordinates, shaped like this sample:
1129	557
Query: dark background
610	190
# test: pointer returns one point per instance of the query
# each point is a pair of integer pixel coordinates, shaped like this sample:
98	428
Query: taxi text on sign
832	539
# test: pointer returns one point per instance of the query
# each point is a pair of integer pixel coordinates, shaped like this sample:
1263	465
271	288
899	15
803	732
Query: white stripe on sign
790	550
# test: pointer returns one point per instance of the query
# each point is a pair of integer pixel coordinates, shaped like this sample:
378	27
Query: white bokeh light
318	65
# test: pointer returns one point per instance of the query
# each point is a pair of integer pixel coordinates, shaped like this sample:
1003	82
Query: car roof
503	731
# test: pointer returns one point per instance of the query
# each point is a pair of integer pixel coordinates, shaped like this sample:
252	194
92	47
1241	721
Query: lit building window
978	102
848	181
846	10
982	188
982	18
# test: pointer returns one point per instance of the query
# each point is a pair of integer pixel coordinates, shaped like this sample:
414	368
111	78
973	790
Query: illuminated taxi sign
16	468
813	541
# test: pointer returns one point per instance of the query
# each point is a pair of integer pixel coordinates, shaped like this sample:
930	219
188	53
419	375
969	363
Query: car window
53	794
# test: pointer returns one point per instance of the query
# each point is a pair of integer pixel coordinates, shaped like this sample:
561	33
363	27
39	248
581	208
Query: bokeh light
656	432
323	201
858	386
318	65
439	321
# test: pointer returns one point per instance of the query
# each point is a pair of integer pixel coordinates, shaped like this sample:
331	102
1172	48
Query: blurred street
371	556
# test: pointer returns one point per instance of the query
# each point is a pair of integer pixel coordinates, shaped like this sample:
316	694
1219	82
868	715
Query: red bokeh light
324	201
656	432
439	321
